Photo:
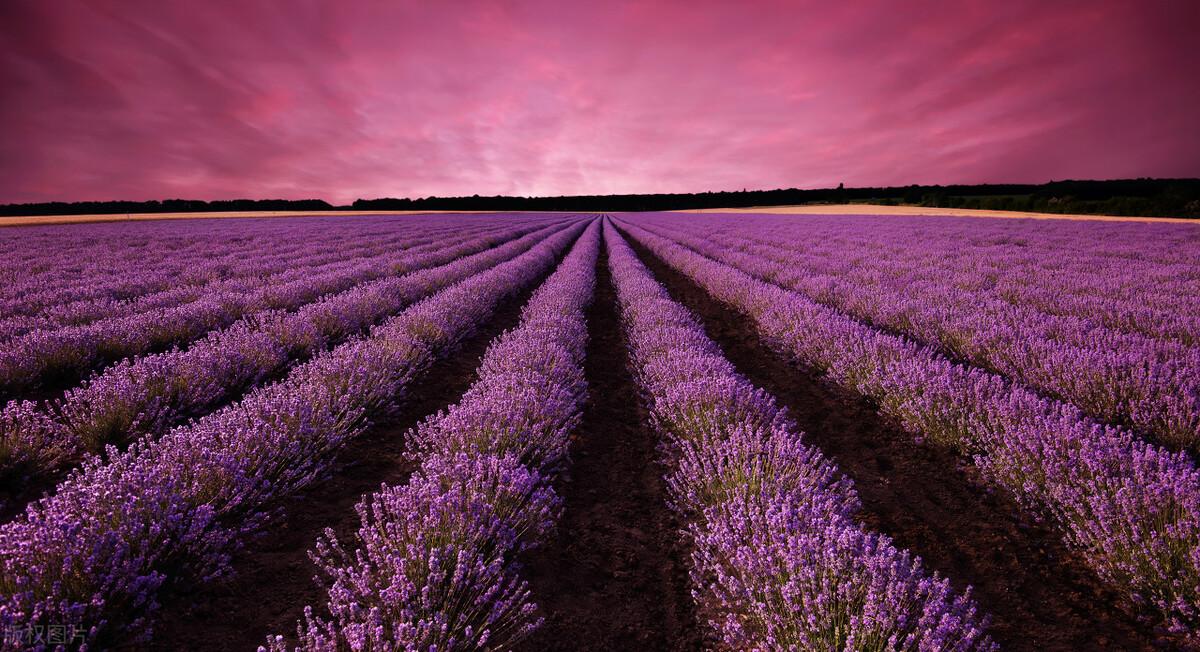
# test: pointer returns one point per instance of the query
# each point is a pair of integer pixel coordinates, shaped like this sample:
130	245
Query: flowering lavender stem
433	565
1132	510
97	552
778	560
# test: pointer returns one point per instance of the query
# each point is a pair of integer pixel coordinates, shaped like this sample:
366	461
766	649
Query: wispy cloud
339	100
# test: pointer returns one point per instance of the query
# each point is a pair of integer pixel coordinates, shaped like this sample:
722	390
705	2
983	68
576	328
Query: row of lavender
1131	278
778	560
1149	382
47	266
96	554
146	396
1093	265
434	562
64	354
232	267
1135	278
54	254
1130	509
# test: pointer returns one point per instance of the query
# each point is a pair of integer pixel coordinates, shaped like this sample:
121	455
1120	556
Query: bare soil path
615	578
929	501
275	578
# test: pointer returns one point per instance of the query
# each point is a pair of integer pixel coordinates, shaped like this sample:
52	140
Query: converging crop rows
588	432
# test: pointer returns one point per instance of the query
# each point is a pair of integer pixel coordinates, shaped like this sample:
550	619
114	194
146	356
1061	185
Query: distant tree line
1134	197
164	206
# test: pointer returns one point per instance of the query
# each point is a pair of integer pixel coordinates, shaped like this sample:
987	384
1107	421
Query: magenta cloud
338	100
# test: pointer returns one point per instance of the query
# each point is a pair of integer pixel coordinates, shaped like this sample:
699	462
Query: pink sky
338	100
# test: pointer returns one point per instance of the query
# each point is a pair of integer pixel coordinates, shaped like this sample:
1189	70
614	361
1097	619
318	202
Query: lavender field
660	431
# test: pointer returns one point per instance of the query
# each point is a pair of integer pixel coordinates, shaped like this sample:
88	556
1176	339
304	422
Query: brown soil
52	385
20	487
930	501
614	579
1192	450
274	577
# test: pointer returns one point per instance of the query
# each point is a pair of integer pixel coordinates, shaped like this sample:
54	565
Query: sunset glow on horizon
219	100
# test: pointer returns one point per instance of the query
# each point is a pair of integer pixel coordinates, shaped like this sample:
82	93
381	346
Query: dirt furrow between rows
931	502
615	578
275	578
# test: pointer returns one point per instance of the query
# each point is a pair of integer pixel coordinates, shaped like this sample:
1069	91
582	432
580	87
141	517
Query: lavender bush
148	395
777	562
67	352
1130	509
433	565
96	553
47	269
227	267
1022	314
